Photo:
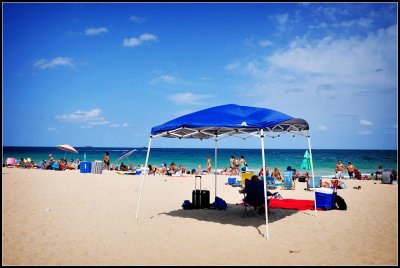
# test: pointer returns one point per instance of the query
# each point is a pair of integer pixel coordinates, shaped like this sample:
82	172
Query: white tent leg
216	163
312	173
266	235
144	175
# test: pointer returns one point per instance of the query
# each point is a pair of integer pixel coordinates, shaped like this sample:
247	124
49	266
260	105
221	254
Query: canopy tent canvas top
230	120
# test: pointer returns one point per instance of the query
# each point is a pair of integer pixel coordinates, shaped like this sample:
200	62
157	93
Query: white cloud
91	118
96	31
322	128
365	122
169	79
114	125
124	124
79	116
188	98
232	66
51	129
58	61
136	41
265	43
282	19
358	58
364	132
137	19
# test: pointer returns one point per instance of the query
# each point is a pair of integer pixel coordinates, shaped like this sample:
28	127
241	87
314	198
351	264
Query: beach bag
187	205
220	203
340	203
302	179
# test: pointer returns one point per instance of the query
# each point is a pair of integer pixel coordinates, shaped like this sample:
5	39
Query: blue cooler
232	180
317	182
85	167
325	199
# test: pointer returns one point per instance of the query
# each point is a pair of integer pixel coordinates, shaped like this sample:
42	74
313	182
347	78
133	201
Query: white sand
70	218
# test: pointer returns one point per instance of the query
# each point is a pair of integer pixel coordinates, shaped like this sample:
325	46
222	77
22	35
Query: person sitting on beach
153	169
339	169
49	165
393	174
172	169
199	170
182	169
225	171
163	170
71	164
378	173
43	165
277	174
260	173
123	167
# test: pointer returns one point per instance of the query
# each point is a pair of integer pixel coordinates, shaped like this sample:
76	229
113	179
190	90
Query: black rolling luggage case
200	198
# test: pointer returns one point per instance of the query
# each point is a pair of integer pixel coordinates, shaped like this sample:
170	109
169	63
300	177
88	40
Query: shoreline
72	218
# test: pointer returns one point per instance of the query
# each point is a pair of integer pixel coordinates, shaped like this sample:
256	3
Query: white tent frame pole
312	172
216	164
144	176
266	235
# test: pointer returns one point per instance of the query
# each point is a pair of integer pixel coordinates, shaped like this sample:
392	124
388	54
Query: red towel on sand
292	204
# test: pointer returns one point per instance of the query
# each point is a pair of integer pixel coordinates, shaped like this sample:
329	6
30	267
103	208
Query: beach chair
317	182
253	200
386	177
288	180
271	183
246	176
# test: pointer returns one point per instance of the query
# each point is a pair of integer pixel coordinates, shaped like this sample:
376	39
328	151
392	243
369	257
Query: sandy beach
73	218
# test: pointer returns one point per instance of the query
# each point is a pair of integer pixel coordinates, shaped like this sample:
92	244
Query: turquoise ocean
366	161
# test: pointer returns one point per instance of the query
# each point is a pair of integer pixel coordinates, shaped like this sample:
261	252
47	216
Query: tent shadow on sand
232	215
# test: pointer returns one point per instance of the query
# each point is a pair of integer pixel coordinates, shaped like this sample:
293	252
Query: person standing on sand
208	167
350	170
339	170
106	161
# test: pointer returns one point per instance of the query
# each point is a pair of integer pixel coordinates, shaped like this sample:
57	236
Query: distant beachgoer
153	169
208	167
276	174
106	161
172	168
242	164
378	173
49	165
393	174
199	170
350	170
123	167
260	173
163	170
232	164
339	169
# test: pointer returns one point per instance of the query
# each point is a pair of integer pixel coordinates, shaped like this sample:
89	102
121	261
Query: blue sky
104	74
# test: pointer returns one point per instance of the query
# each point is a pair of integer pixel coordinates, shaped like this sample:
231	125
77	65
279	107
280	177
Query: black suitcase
205	199
196	198
200	198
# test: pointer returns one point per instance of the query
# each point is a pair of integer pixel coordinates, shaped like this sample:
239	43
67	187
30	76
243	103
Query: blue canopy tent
226	121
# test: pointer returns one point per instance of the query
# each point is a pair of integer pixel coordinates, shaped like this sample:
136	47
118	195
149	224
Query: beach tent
231	121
